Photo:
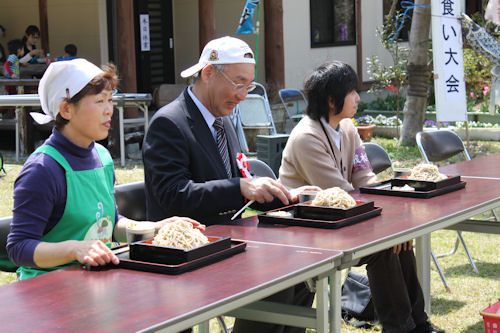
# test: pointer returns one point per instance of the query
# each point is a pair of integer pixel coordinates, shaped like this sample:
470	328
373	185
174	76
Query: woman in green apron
64	206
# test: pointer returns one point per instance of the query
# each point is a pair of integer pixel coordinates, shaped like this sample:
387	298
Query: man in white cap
190	148
190	152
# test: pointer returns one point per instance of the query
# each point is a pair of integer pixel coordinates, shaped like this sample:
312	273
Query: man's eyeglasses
239	86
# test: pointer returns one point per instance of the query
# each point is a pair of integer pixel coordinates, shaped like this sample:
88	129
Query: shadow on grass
476	328
486	270
443	306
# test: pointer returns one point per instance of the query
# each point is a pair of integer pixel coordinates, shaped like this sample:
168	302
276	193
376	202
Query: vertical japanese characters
448	61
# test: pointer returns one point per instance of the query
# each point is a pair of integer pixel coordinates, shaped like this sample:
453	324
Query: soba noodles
180	234
334	197
428	172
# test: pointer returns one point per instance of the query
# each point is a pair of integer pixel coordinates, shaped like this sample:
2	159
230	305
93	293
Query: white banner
449	80
144	26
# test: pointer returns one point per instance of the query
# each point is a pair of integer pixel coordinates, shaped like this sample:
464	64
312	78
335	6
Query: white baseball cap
71	75
224	50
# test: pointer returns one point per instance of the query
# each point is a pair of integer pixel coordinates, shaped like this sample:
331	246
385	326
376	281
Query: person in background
64	204
32	55
336	158
69	53
11	65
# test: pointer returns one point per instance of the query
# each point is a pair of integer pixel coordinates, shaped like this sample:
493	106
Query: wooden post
206	18
467	134
44	25
126	65
126	46
274	52
359	47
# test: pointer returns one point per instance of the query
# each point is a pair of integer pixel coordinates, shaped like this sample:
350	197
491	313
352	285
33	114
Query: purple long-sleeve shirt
40	195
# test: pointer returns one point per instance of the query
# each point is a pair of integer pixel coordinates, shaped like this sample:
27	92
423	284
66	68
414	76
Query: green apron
90	206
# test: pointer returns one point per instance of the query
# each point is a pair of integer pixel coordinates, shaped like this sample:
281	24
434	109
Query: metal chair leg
473	264
457	241
222	324
495	215
460	239
440	271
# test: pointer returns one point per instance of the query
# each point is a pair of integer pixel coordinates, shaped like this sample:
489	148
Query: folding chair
295	103
437	146
5	264
131	200
240	132
260	169
253	113
378	157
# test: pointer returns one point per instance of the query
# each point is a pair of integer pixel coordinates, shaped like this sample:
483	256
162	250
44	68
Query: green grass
457	311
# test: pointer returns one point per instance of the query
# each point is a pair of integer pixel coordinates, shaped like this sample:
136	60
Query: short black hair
31	30
15	45
333	80
70	49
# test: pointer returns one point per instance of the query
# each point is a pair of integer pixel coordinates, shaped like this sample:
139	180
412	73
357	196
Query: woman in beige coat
325	150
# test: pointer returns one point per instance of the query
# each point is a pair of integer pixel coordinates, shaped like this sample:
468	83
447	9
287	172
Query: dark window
405	30
333	22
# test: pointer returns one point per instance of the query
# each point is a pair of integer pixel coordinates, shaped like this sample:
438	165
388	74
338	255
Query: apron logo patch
102	229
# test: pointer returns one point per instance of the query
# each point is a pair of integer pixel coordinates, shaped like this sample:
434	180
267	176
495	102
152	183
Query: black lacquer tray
323	221
424	191
237	246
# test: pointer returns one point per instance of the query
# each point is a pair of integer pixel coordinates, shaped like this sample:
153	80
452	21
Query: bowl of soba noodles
176	243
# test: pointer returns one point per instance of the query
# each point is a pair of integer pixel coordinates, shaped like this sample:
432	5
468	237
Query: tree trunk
418	73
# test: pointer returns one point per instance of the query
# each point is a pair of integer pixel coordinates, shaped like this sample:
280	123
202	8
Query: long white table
141	101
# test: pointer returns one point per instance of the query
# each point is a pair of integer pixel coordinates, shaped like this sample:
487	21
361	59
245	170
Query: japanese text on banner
144	26
449	83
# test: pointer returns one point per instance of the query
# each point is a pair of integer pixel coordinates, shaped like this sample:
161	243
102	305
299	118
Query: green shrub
477	70
383	104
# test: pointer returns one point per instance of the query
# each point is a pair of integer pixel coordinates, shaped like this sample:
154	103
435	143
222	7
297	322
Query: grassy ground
457	311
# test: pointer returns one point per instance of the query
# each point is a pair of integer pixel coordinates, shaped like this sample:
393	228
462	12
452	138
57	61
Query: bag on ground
357	300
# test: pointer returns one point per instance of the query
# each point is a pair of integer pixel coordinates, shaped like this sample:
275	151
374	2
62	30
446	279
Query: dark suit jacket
184	173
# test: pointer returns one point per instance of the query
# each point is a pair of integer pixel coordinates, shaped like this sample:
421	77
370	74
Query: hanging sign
449	79
144	26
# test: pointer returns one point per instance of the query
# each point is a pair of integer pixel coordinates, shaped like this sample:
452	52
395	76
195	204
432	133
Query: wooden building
295	35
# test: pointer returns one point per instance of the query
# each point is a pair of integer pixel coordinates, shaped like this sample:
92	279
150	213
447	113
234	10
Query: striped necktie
222	145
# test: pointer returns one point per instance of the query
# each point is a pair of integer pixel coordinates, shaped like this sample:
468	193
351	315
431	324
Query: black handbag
356	301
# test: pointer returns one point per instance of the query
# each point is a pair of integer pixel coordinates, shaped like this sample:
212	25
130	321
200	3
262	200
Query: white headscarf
60	76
